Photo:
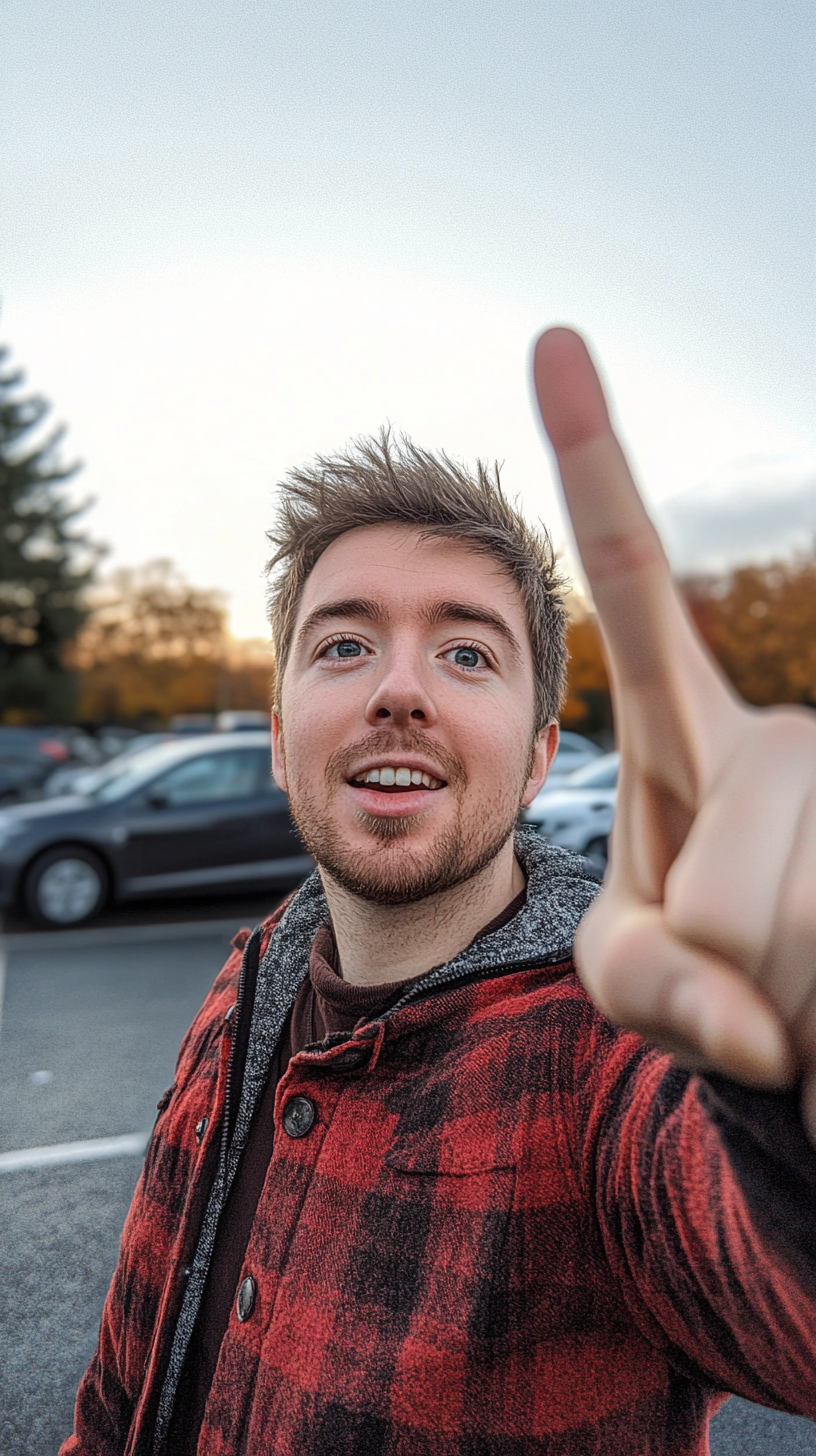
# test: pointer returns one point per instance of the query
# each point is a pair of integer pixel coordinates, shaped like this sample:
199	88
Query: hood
559	892
33	809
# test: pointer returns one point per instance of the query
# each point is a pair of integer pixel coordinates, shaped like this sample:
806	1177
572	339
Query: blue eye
345	649
466	657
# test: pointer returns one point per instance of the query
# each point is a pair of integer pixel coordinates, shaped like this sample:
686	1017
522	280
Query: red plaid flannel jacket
511	1229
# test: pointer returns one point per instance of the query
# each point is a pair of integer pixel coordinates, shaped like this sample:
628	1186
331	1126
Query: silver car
578	811
574	751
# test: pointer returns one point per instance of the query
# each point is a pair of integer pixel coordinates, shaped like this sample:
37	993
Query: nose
402	694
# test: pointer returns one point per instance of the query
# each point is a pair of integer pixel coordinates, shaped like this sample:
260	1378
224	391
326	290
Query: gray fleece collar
559	892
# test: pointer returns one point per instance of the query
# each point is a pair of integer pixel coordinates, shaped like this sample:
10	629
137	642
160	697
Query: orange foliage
760	624
154	646
587	708
134	690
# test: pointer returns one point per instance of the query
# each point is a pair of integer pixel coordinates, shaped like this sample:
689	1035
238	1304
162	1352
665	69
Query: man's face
407	712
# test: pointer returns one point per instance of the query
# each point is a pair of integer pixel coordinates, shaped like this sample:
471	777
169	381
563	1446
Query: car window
600	775
117	780
211	776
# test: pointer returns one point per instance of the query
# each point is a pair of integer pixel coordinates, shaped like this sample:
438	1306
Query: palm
704	938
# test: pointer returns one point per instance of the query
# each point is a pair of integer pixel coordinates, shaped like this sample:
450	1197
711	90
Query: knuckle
692	905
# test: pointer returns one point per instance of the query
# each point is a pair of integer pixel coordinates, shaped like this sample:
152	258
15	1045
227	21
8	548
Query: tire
65	887
597	852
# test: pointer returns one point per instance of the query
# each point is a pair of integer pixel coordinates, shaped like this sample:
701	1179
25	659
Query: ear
278	765
546	747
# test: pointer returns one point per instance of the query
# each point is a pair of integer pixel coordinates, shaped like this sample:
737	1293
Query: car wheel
65	887
597	852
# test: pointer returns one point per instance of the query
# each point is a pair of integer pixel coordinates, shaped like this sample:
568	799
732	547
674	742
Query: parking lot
92	1020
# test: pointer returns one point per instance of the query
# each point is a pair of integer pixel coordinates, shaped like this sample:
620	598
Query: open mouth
389	780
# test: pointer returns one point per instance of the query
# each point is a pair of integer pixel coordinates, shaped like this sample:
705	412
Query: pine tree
45	563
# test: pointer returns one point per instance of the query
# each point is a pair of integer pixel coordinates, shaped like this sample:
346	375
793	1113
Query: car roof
191	745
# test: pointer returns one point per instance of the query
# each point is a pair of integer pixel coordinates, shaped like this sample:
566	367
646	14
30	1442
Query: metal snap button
245	1303
299	1117
201	1128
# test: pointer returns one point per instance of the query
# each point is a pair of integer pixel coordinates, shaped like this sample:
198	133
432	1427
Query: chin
392	870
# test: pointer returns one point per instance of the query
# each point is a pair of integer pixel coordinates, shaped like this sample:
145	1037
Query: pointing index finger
612	528
621	551
570	395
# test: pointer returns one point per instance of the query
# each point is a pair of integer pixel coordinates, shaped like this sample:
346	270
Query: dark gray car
183	818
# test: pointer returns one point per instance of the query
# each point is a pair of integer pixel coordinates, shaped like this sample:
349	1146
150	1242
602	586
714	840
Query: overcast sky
236	234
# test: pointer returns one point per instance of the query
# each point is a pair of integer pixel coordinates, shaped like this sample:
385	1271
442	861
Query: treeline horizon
143	645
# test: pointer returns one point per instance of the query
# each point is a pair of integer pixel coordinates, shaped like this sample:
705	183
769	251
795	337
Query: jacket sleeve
705	1197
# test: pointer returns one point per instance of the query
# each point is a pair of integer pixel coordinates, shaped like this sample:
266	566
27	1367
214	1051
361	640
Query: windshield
122	778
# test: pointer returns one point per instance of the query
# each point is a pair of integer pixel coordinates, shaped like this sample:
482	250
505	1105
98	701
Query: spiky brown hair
387	480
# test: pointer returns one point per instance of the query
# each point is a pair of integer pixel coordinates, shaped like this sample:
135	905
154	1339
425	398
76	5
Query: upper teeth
402	777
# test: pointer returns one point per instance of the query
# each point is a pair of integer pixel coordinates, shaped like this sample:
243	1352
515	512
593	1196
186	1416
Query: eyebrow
363	607
480	616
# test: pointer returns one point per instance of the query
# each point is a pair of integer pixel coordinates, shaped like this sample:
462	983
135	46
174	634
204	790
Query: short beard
458	855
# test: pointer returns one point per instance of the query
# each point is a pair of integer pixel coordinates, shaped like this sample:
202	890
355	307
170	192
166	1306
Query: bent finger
728	891
688	1002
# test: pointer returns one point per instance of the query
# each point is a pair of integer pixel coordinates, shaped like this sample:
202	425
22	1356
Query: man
413	1191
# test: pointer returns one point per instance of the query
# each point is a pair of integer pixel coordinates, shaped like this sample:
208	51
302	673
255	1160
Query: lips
396	779
389	772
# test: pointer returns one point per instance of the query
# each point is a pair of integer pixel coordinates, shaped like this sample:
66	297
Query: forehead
403	569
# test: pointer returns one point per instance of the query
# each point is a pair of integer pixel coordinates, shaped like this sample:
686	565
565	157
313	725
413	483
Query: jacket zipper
159	1445
533	963
236	1019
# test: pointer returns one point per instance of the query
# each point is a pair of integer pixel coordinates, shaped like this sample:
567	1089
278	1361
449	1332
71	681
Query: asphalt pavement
92	1020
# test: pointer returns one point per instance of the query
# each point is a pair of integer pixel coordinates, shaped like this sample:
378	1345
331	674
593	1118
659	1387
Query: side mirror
157	798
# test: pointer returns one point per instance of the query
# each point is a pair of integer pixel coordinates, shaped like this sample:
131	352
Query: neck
380	943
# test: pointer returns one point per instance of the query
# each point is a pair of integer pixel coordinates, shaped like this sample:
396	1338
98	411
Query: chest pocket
453	1197
455	1151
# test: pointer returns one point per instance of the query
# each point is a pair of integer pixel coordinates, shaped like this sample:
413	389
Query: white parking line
125	934
131	1144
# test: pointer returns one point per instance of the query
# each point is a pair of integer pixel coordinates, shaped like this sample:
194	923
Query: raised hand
704	936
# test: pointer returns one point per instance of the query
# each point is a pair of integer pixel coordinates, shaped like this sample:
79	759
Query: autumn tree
155	646
588	706
760	623
46	564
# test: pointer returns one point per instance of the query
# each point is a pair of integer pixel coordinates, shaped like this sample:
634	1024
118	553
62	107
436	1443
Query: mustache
391	741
